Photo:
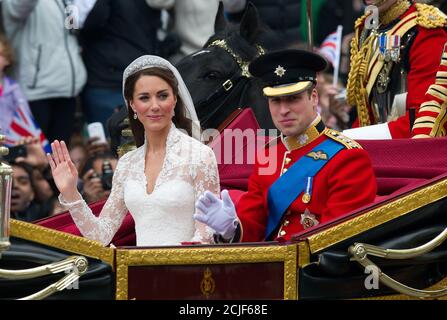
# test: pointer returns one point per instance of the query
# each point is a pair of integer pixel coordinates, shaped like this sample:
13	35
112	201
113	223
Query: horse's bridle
243	64
235	83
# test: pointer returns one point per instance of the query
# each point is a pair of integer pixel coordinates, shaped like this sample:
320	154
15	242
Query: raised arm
65	175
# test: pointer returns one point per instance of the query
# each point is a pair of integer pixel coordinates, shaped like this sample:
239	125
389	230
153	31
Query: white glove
217	214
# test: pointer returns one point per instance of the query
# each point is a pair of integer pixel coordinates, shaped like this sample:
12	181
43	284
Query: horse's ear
220	23
250	25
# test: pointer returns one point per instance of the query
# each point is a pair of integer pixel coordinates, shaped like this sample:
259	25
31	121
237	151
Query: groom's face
292	114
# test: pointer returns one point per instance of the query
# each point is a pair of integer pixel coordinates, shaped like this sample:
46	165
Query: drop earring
135	116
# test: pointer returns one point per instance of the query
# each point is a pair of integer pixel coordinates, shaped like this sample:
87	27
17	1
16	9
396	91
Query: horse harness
234	85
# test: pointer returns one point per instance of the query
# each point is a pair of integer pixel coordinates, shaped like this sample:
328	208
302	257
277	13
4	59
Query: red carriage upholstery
402	164
235	156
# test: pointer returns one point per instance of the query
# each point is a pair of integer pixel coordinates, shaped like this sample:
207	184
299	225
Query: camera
16	152
107	175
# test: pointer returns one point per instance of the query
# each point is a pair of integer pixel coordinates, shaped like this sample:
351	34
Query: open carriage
398	239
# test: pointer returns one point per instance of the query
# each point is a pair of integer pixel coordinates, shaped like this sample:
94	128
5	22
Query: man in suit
318	173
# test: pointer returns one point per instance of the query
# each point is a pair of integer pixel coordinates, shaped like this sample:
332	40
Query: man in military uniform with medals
398	71
318	173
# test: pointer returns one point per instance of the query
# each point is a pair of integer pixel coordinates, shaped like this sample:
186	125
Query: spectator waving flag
24	125
331	48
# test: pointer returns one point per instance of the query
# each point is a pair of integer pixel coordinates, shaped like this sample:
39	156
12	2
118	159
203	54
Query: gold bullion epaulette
344	140
430	17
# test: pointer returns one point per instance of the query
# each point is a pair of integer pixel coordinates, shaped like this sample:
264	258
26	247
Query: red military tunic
425	76
426	84
345	183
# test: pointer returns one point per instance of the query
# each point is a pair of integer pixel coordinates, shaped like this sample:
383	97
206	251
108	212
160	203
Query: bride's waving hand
64	171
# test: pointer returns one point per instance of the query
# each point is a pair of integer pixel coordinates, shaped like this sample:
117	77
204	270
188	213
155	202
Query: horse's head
217	76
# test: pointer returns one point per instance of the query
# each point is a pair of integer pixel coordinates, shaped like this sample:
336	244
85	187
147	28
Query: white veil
150	61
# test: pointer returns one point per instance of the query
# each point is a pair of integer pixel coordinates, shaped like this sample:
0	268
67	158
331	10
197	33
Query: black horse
217	76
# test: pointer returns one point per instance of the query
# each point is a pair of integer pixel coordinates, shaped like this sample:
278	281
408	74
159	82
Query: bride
158	182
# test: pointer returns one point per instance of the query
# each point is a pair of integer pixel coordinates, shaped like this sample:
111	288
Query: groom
320	174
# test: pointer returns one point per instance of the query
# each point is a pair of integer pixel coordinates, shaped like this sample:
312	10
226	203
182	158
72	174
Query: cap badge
280	71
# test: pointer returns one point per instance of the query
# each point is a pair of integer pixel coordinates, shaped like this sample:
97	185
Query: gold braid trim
430	17
361	53
344	140
351	97
360	56
438	90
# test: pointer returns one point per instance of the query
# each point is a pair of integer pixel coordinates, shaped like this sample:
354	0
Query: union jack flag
24	125
330	48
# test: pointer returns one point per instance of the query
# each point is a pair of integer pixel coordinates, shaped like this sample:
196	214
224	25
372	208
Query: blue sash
286	188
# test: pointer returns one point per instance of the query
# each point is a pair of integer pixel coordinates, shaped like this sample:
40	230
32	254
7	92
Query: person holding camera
30	156
158	182
96	175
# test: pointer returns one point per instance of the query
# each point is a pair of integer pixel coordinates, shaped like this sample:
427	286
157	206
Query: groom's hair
180	120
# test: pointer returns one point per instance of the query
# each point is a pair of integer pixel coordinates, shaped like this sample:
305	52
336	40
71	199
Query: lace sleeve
206	177
103	227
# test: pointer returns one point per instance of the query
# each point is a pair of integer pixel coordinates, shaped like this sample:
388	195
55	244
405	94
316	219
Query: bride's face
154	102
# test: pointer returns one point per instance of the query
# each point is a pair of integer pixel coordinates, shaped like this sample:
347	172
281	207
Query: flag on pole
24	125
331	50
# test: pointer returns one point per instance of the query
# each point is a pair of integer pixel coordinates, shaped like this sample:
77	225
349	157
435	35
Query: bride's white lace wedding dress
165	216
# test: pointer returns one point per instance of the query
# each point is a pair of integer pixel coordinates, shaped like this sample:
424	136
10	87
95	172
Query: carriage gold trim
203	258
377	216
62	240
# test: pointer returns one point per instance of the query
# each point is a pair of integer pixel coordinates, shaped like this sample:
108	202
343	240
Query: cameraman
96	175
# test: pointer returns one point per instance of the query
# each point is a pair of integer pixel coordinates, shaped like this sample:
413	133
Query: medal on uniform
389	47
308	219
394	45
382	44
306	198
307	194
